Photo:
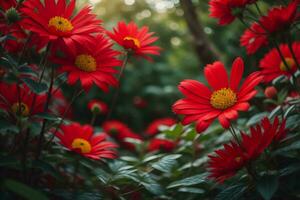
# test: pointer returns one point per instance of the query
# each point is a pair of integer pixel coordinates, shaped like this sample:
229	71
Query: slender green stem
48	100
292	52
234	135
116	94
93	119
74	97
286	65
258	9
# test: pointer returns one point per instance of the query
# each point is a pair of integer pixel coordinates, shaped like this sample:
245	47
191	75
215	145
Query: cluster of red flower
82	49
224	98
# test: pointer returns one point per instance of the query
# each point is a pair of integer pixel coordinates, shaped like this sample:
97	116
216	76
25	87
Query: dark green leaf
23	190
35	86
191	190
165	164
192	180
234	192
267	186
6	126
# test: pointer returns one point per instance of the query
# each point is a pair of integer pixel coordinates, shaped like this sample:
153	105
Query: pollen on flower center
223	98
81	144
20	109
60	24
135	41
289	62
86	63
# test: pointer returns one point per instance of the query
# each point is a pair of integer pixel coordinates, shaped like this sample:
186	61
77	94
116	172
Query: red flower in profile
81	139
132	39
120	132
18	100
202	104
272	65
98	107
153	127
11	28
224	10
55	20
157	144
277	19
226	162
92	63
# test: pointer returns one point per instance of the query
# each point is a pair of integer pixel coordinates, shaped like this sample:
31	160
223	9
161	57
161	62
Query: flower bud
270	92
12	15
97	107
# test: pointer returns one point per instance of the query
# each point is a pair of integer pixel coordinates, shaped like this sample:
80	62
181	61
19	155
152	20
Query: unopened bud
12	15
270	92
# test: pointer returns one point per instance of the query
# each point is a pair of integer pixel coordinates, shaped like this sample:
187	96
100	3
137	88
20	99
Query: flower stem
93	119
74	97
234	135
49	95
116	94
286	65
292	52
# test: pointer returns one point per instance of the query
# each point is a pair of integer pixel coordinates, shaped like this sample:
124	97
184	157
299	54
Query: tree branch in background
205	53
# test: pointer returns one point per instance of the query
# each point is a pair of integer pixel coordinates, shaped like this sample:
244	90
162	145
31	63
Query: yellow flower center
82	144
223	98
86	63
134	40
60	24
289	62
20	109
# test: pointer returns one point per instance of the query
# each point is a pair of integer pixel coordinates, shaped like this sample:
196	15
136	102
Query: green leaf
190	134
289	110
47	116
165	164
23	190
35	86
290	169
234	192
294	146
267	186
275	112
6	126
174	132
191	190
25	69
192	180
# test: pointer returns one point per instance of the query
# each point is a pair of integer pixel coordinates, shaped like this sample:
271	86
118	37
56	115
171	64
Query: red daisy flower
272	65
277	19
18	100
153	127
132	39
224	10
91	63
114	127
98	107
202	104
120	132
226	162
56	20
157	144
82	140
